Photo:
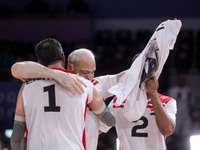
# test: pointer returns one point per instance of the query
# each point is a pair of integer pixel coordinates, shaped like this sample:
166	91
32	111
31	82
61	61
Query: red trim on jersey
94	82
115	99
120	106
164	99
165	142
83	136
64	70
84	139
85	108
150	105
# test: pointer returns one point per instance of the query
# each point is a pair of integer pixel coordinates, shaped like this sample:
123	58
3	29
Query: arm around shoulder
28	69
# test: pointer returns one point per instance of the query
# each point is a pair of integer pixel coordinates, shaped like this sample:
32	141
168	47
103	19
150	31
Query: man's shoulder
64	70
95	81
165	99
104	78
86	81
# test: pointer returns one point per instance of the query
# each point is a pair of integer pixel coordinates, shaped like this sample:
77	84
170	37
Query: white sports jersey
144	133
55	118
102	84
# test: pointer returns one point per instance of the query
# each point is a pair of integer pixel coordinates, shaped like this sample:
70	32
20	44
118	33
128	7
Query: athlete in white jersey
158	119
54	116
145	133
85	68
50	53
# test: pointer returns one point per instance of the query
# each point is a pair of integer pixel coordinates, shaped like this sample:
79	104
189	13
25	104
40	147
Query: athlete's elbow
15	69
167	131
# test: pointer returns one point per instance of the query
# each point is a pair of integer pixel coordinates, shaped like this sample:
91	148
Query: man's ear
63	58
70	67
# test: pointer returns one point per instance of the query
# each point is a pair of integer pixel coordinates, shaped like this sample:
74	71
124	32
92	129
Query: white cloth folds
130	86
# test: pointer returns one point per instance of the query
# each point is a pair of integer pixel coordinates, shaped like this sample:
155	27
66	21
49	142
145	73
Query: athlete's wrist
152	94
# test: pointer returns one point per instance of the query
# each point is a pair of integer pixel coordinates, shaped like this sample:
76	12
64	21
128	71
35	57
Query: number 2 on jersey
52	99
142	126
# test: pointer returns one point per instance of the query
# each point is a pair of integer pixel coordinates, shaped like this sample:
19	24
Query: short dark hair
48	51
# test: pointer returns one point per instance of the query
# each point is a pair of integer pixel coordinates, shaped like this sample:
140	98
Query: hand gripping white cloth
149	63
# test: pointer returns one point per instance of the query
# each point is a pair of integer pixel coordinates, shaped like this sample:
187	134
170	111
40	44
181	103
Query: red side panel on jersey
150	105
120	106
94	82
84	136
85	108
164	99
26	136
84	139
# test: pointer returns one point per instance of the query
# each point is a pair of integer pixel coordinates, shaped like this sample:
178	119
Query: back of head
48	51
79	54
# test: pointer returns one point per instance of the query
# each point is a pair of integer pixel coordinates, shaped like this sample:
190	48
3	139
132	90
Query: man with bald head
82	62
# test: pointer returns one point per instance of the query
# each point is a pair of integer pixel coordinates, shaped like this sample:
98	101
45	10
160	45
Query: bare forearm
164	123
97	100
101	110
28	69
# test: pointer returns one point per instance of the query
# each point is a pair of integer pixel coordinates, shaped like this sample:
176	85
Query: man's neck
56	65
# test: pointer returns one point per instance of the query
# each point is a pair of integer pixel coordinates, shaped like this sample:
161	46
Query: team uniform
132	100
102	84
135	119
55	118
149	63
142	134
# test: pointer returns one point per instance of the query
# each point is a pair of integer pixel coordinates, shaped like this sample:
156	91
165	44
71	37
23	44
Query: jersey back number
52	99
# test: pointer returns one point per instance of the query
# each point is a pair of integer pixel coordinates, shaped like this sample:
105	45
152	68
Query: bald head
82	61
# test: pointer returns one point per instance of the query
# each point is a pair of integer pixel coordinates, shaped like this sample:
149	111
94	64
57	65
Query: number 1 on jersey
52	99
